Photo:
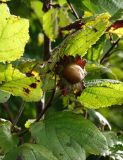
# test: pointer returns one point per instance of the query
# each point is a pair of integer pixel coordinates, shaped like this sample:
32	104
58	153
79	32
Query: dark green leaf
30	152
101	6
7	140
68	130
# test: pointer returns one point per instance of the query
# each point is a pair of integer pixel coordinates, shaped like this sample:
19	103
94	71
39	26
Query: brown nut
73	73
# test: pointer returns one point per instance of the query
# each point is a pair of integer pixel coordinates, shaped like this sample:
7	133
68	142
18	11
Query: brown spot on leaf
38	80
26	90
29	74
33	85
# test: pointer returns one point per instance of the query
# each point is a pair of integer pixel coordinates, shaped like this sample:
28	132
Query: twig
72	9
108	53
41	114
47	42
47	106
20	134
46	55
19	114
75	25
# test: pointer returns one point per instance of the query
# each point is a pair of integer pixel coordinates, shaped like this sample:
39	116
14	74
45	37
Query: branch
108	53
46	56
72	9
48	105
47	42
75	25
19	114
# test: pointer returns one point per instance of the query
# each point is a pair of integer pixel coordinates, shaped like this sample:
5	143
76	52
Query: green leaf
95	52
50	23
80	41
101	6
118	15
64	18
112	138
4	0
64	132
19	84
7	140
4	96
13	35
37	6
30	152
103	93
116	145
96	71
62	2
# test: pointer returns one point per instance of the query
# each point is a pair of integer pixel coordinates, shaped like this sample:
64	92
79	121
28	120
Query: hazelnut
73	73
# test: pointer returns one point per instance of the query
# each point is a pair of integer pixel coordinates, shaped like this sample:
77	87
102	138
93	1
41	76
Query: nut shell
73	73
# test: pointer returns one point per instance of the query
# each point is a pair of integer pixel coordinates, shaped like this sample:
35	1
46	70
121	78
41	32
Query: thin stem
108	53
72	9
47	106
19	114
47	42
46	56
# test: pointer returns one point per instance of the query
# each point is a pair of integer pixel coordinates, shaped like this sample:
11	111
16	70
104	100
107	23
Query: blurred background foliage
32	9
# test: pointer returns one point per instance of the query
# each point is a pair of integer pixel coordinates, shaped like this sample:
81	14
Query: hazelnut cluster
72	70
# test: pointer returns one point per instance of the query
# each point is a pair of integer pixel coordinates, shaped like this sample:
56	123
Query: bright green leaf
4	0
95	52
103	93
29	122
64	18
62	2
50	23
80	41
13	35
4	96
68	130
7	140
37	6
18	84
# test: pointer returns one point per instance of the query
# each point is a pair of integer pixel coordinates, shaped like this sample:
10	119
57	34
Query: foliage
45	116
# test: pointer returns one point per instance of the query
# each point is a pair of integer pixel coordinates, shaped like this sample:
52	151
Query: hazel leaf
19	84
13	35
103	93
80	41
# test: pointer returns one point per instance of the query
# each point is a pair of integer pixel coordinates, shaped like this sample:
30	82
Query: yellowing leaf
4	0
18	84
13	35
118	31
